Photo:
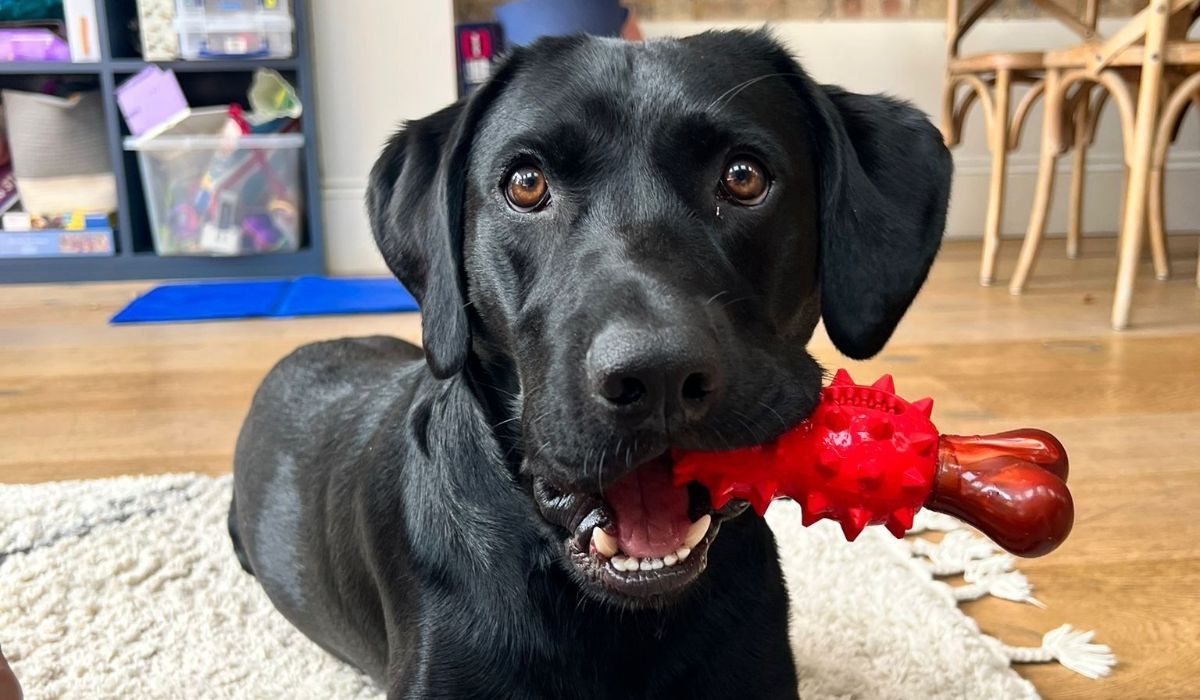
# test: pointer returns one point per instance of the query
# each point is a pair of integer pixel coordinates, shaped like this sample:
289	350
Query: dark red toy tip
868	457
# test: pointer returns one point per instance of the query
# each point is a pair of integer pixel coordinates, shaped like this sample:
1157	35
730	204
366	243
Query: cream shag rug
128	588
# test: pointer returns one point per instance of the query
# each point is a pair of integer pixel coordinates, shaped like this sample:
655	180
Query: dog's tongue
651	513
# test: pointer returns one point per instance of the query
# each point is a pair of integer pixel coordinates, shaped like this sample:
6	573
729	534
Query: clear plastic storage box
216	195
234	28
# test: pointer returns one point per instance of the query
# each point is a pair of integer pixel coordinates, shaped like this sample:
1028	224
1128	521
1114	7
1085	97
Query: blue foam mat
281	298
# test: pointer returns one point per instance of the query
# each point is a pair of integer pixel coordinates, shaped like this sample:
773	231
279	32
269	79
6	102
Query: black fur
386	503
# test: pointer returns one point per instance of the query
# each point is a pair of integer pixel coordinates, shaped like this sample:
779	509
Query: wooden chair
989	78
1139	58
1186	90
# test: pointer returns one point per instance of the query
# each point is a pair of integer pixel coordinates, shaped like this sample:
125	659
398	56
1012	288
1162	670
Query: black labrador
620	249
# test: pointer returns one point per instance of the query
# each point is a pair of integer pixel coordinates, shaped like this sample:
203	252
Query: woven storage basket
60	152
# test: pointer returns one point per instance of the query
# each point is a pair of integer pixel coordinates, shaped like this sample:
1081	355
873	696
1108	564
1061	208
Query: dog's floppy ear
415	200
885	184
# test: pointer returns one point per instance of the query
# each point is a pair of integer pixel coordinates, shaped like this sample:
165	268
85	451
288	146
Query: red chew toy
868	457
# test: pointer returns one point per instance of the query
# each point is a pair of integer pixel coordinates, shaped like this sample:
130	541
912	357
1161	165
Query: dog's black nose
638	373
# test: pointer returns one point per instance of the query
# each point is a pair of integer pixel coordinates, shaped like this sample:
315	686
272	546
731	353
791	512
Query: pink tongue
651	513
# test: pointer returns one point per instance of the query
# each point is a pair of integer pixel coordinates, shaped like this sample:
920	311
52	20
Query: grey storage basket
60	152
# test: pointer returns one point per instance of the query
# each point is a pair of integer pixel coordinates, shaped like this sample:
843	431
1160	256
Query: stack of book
40	235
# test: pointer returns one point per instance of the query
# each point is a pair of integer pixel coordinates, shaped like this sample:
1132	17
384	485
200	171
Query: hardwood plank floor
80	399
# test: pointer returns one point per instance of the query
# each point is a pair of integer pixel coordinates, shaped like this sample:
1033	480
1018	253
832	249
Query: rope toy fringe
987	572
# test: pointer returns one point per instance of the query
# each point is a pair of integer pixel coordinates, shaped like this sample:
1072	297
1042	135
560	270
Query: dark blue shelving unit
204	83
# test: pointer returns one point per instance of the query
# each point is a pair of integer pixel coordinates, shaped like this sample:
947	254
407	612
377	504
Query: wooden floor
80	399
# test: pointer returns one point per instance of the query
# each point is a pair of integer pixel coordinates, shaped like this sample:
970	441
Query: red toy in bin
868	457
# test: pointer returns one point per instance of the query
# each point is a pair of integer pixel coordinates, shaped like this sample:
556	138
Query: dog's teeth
618	561
697	531
656	564
605	543
632	564
670	560
647	564
683	553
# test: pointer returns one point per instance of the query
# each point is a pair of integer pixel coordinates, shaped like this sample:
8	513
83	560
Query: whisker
587	459
767	406
736	89
506	421
617	451
721	436
727	304
716	296
741	419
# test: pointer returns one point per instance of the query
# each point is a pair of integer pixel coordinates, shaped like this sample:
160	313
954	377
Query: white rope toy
988	572
1071	648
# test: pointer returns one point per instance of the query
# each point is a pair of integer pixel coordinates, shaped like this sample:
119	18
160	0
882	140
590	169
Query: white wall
395	60
377	63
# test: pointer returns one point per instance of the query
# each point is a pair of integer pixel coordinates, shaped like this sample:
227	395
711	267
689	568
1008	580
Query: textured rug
128	587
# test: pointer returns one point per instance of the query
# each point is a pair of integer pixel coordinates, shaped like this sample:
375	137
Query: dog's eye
745	181
526	189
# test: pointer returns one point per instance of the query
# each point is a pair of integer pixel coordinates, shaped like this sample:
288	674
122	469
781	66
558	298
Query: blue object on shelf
525	21
304	296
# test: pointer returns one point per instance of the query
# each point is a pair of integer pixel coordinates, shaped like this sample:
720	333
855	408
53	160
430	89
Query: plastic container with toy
234	29
212	192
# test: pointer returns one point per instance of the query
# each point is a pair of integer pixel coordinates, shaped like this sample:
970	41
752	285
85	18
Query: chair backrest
1150	28
961	16
1181	23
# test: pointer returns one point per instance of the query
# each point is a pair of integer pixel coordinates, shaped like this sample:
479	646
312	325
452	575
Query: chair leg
998	144
1145	124
1045	184
1078	172
1156	223
1188	90
1169	121
949	87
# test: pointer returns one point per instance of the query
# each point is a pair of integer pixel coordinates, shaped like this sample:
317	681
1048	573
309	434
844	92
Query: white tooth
605	543
656	564
646	564
631	564
618	562
683	553
697	531
670	560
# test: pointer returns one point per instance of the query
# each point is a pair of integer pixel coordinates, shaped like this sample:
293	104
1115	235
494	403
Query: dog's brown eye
527	189
745	181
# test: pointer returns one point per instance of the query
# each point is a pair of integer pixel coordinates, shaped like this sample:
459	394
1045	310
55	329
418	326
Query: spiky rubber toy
868	457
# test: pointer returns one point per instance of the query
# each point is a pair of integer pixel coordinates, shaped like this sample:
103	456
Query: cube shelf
205	82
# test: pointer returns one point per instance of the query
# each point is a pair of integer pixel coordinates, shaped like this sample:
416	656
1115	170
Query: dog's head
627	246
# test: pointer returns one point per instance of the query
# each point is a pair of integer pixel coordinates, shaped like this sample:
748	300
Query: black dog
620	249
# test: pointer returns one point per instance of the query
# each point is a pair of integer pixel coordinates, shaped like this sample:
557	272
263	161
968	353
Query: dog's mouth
643	538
